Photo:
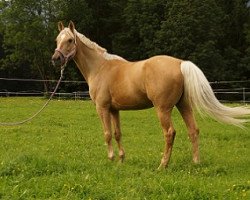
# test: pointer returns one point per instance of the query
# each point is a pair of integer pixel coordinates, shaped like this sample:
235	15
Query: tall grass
61	155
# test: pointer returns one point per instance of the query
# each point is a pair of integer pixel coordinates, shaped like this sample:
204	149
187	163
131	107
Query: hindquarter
163	80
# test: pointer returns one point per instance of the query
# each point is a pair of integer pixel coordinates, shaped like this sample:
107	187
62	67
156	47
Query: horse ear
60	26
72	26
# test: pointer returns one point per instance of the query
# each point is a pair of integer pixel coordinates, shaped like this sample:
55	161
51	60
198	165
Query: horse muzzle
60	59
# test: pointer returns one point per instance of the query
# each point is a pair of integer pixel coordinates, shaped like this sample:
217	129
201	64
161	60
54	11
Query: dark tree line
215	34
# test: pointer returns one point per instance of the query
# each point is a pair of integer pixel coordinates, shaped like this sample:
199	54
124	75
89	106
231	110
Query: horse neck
88	60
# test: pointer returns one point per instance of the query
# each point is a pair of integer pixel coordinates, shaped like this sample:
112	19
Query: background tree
191	30
212	33
27	38
141	19
233	44
246	58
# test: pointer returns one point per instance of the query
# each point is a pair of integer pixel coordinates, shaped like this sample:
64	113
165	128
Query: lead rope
39	111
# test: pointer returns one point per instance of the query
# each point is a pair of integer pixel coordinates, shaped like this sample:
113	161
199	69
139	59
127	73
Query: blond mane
89	43
92	45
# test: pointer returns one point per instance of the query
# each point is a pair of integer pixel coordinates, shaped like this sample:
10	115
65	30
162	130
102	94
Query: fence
225	91
241	95
232	91
60	95
38	83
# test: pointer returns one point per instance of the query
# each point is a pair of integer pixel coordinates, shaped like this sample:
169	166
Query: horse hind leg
115	117
193	132
164	116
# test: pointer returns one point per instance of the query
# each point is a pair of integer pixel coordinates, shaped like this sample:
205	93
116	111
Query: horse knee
117	136
108	137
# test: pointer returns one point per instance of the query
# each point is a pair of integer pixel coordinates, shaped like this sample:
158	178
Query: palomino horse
161	81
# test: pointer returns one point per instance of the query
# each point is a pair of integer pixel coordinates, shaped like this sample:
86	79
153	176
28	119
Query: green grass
61	155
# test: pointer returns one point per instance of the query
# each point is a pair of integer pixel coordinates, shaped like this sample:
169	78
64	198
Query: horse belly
127	88
125	100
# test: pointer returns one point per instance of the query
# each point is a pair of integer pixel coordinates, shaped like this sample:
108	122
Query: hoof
122	157
111	158
161	167
196	161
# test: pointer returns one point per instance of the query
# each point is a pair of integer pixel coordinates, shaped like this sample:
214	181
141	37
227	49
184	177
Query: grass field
61	155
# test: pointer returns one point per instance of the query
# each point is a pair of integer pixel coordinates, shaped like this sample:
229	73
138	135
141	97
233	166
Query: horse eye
70	40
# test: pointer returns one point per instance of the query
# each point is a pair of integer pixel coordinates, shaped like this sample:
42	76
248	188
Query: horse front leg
115	117
104	114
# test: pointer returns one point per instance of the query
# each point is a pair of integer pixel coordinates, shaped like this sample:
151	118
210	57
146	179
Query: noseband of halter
66	57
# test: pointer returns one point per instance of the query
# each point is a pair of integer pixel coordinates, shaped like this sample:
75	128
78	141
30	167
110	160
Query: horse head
66	45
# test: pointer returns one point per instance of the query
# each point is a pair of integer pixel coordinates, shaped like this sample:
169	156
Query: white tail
199	93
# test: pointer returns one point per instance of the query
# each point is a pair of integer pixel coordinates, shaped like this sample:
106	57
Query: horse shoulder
99	85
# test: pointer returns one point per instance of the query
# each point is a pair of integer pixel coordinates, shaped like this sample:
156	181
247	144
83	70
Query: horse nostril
53	62
56	60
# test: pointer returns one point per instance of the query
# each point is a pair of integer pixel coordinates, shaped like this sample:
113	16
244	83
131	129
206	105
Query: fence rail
38	80
225	91
60	95
235	94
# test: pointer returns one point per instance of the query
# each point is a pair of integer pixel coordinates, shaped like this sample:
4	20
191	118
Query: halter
64	58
